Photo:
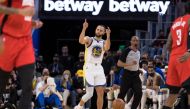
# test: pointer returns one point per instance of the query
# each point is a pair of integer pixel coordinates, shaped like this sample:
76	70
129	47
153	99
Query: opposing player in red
16	50
178	44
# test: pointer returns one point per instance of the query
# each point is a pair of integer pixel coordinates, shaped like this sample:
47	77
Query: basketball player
178	75
129	60
94	72
16	46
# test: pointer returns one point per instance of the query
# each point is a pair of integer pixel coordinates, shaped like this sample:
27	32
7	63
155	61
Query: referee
129	60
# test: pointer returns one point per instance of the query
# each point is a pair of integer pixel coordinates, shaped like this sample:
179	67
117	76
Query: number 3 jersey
179	32
18	25
94	52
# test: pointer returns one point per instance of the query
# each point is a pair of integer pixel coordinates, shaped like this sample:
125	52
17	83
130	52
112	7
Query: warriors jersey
94	52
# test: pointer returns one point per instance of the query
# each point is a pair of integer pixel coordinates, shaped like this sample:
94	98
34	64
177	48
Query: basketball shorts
94	75
17	52
178	72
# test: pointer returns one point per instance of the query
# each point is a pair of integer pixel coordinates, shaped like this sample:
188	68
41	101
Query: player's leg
89	82
173	82
100	83
26	76
25	65
85	98
100	96
186	85
172	97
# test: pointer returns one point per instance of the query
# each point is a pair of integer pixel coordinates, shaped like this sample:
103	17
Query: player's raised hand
108	31
85	24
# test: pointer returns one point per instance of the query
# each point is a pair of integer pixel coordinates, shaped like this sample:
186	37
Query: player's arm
82	38
107	41
169	43
27	11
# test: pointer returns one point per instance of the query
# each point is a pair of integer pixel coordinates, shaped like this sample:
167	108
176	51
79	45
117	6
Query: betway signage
95	8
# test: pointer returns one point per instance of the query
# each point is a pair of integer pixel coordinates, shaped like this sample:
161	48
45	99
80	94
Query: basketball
118	104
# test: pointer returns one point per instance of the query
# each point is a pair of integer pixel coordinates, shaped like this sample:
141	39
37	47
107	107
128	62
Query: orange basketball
118	104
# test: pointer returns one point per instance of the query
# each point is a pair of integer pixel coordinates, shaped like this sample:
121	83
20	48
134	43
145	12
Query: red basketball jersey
18	25
179	32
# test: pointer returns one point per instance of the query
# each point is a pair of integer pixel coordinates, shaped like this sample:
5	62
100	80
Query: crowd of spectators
61	83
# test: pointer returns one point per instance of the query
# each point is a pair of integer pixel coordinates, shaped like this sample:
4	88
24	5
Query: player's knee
100	94
90	94
87	96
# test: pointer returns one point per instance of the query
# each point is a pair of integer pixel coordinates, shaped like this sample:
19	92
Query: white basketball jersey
94	52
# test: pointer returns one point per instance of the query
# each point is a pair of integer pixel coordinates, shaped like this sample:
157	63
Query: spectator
66	59
64	86
154	81
117	55
46	93
144	75
115	86
158	44
56	68
10	94
39	65
79	89
107	64
157	69
79	64
159	62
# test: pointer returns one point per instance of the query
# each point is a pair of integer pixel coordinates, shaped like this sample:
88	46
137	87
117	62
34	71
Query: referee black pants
130	79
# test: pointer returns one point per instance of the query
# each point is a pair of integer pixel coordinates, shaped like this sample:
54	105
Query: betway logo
137	6
114	6
71	5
